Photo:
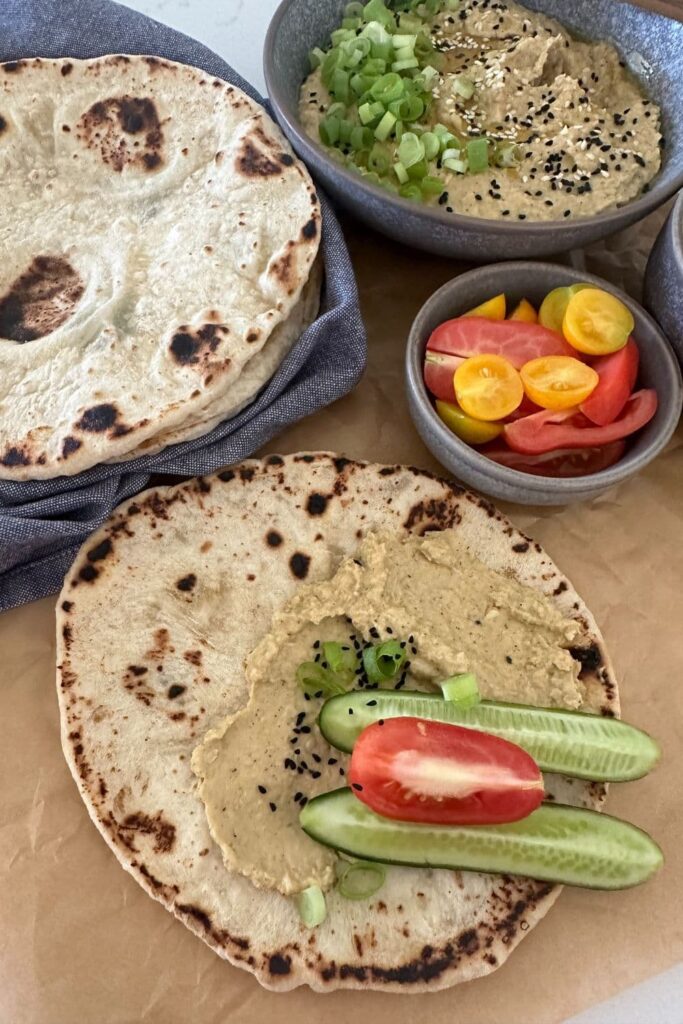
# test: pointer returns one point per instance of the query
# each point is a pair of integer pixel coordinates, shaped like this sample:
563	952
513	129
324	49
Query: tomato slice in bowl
439	369
547	431
562	464
617	373
516	341
412	769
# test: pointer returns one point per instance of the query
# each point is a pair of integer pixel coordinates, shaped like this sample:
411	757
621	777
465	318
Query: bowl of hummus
482	129
657	370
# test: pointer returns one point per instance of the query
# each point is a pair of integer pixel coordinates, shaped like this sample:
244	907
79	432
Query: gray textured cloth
42	523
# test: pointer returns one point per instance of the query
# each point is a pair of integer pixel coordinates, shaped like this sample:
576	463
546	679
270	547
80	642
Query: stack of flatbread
159	245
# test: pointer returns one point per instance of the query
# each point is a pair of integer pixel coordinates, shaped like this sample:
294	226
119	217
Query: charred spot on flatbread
175	691
40	300
100	551
316	504
299	564
433	514
162	831
12	66
274	539
14	456
191	346
310	229
98	418
125	131
66	69
3	124
187	583
70	445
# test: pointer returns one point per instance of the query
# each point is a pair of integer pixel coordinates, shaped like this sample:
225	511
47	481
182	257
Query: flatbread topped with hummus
180	626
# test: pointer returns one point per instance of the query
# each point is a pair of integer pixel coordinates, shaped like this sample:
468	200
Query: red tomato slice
438	374
569	462
527	408
412	769
517	341
617	373
547	431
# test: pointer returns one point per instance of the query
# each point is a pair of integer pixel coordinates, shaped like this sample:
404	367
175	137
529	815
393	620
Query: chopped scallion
329	130
315	57
315	681
410	150
382	661
384	127
461	690
507	154
400	172
430	141
463	86
457	166
478	155
404	65
361	880
431	186
311	906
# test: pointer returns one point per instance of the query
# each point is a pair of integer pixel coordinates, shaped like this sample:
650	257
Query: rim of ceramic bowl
610	220
513	478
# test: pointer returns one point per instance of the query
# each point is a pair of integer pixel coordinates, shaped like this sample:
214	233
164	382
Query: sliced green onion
351	24
463	86
369	112
340	87
429	76
384	127
329	66
340	657
329	130
360	84
345	129
462	690
375	11
507	154
336	110
410	150
409	23
315	681
451	154
405	53
382	50
401	173
387	88
311	906
315	57
404	65
379	160
457	166
361	138
398	41
361	880
431	186
430	141
373	67
399	131
341	35
382	661
417	171
353	10
478	155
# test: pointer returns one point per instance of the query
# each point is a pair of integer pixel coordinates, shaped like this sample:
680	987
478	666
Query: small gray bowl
651	45
658	369
664	279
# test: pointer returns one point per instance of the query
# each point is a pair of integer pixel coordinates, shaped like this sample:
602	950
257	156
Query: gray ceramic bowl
658	369
664	279
650	43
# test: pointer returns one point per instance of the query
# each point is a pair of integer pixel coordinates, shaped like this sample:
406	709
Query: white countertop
235	29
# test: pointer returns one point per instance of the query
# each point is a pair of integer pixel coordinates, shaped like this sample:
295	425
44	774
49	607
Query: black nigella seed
342	772
508	659
304	764
374	632
350	711
357	785
370	703
316	645
272	806
380	721
288	763
262	789
300	717
297	797
315	775
317	758
300	770
303	801
332	760
305	728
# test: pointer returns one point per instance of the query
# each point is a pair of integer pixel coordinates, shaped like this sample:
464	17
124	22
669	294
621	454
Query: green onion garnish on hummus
462	690
383	661
360	880
311	906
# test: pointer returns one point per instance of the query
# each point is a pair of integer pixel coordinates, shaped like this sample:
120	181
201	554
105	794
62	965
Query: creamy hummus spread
259	766
588	138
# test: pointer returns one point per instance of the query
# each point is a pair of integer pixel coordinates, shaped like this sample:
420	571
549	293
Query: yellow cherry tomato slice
558	382
488	387
525	312
492	309
466	427
597	323
554	305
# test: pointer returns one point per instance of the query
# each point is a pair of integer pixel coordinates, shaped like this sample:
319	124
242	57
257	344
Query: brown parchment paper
81	942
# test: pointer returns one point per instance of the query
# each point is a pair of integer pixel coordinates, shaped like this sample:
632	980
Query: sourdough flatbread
155	619
257	372
155	229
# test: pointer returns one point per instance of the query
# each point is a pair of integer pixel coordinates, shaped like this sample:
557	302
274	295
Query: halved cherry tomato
488	387
412	769
596	322
492	309
558	382
524	312
568	462
466	427
554	305
617	373
518	342
547	431
438	374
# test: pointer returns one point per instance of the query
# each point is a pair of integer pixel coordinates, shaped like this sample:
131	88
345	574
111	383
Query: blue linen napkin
43	523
